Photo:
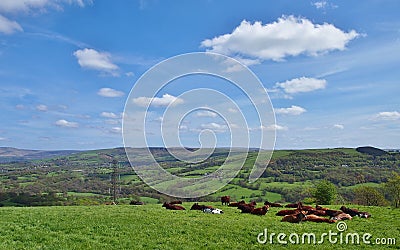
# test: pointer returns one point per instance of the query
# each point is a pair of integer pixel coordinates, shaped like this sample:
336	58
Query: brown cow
246	208
342	216
317	212
272	204
253	203
236	204
225	200
134	202
332	213
292	205
172	206
355	212
294	218
260	211
196	206
287	212
315	218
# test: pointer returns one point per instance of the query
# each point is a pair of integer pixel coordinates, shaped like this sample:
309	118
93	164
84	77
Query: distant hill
371	151
9	154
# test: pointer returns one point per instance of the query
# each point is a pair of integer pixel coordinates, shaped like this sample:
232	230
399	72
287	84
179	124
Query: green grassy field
153	227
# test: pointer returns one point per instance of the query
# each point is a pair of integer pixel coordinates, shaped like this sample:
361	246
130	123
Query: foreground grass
152	227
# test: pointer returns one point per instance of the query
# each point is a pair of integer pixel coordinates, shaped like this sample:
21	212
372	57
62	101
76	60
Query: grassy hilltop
153	227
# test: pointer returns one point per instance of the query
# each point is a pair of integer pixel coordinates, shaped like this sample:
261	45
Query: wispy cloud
27	6
206	113
289	36
216	127
163	101
338	126
109	92
66	124
92	59
293	110
109	115
41	107
302	84
9	27
388	116
324	5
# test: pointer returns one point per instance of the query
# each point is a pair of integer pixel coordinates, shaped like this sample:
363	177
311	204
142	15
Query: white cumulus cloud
206	113
109	115
293	110
302	84
108	92
116	130
163	101
274	127
288	36
216	127
388	115
34	5
8	27
41	107
66	124
338	126
92	59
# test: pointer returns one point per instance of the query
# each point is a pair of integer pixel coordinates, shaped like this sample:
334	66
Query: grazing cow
175	202
294	218
341	216
196	206
225	200
212	211
315	218
260	211
246	208
272	204
133	202
287	212
172	206
236	204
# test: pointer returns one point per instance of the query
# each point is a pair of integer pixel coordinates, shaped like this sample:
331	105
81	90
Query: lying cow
260	211
236	204
355	212
316	218
342	216
295	218
196	206
212	211
246	208
172	206
272	204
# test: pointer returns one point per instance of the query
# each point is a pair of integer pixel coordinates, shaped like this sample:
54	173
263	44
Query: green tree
324	192
393	189
369	196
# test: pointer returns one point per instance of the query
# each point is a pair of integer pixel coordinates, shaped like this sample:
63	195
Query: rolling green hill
288	176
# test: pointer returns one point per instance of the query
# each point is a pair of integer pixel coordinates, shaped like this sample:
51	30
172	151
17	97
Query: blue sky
330	67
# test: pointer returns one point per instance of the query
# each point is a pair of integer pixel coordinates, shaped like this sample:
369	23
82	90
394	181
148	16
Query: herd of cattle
296	214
